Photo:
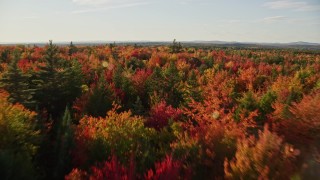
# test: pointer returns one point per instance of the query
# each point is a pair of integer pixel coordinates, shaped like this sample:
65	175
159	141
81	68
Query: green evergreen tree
192	79
155	82
266	101
138	108
176	47
57	83
192	89
46	80
100	99
265	106
63	145
117	76
5	55
172	85
248	103
72	49
129	91
16	83
172	75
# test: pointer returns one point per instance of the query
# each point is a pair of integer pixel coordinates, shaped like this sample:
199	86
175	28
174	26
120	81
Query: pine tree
155	82
191	89
138	108
5	54
172	75
175	47
266	101
15	82
72	49
46	80
63	145
57	83
248	103
172	85
71	81
100	99
118	77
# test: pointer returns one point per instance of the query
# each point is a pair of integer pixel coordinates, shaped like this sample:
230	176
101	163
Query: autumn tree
111	169
18	141
263	158
168	169
119	134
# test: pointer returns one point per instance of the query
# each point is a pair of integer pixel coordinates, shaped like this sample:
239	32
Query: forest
158	112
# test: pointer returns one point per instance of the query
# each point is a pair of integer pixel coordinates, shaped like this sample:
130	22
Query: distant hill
302	43
197	43
295	45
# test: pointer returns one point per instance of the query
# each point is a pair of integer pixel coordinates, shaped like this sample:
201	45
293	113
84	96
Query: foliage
265	158
96	100
64	81
63	145
167	169
175	47
119	134
201	112
160	114
18	140
303	125
16	82
109	170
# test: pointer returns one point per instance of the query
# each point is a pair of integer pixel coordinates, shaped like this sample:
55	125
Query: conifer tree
155	82
175	47
57	83
100	99
191	89
5	54
46	80
15	82
138	108
172	75
72	49
172	85
63	144
117	76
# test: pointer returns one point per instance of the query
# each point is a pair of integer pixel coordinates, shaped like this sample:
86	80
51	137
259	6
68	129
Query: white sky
159	20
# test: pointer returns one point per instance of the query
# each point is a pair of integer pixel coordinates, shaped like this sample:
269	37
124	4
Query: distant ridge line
295	45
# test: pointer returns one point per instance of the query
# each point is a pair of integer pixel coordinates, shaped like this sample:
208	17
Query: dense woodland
158	112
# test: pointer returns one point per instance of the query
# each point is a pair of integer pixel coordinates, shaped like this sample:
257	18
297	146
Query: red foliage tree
161	113
167	169
109	170
265	158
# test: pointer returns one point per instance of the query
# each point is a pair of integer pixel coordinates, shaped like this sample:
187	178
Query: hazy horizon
147	41
259	21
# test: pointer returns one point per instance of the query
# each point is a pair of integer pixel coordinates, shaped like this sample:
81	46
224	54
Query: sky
273	21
